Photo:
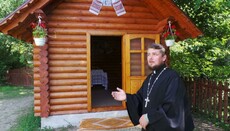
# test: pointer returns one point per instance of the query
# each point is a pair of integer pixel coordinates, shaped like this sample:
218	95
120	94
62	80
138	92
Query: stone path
10	109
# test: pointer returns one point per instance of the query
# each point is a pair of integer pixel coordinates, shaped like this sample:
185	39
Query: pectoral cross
146	101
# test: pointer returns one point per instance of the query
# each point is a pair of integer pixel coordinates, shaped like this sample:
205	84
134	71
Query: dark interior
106	56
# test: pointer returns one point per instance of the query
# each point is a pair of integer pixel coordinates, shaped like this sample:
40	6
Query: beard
154	67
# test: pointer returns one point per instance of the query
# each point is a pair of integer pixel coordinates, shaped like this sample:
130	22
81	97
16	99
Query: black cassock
168	108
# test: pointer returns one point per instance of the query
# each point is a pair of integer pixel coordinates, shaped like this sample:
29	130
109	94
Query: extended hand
119	95
143	122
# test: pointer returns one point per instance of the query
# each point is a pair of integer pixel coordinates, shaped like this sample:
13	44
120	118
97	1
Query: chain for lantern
170	28
39	20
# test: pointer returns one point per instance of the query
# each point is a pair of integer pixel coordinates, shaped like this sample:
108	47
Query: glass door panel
135	64
135	44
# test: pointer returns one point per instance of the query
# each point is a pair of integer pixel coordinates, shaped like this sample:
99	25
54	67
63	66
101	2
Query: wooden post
44	74
44	79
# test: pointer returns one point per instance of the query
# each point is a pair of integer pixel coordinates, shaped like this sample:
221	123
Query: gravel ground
12	108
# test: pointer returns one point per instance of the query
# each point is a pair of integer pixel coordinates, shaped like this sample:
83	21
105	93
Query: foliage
14	54
39	30
209	55
211	16
7	6
202	57
27	122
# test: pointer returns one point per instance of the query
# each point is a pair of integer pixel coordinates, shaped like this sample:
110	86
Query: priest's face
155	58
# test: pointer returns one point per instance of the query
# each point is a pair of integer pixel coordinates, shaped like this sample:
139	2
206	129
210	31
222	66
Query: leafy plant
202	57
170	32
39	30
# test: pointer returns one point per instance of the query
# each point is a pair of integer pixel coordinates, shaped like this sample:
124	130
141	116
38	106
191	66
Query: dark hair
158	47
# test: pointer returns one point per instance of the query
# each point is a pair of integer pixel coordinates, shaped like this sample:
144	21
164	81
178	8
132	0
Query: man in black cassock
161	103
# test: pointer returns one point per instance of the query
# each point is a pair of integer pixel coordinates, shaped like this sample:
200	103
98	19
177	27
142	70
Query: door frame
134	81
88	47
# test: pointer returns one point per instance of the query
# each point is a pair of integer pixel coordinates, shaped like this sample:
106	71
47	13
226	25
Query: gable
17	23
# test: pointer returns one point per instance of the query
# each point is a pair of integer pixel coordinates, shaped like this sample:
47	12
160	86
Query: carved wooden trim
44	74
44	80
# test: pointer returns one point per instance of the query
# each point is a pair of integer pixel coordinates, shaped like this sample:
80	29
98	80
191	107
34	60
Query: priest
161	103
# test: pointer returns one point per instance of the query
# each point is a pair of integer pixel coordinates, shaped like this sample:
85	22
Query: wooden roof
17	24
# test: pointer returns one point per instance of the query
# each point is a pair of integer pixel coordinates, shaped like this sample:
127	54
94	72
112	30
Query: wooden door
135	65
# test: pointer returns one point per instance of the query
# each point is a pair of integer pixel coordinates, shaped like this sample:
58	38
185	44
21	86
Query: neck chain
149	89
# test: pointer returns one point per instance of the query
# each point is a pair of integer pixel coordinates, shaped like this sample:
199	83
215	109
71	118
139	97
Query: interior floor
106	56
102	97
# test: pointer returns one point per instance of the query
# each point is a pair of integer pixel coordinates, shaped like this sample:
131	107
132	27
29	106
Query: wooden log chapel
87	55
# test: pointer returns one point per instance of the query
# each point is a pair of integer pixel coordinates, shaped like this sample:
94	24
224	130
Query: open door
135	65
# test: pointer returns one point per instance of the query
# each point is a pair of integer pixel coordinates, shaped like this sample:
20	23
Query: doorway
106	70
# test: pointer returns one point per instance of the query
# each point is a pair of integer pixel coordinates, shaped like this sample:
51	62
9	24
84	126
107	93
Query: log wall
68	25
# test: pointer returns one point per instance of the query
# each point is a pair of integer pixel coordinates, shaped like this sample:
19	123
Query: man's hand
143	121
119	95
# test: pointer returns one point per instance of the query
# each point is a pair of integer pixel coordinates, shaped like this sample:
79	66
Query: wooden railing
210	98
20	77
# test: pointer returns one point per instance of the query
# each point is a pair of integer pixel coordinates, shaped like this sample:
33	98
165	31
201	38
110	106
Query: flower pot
39	41
169	42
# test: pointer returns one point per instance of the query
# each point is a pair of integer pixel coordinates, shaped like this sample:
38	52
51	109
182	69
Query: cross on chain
146	101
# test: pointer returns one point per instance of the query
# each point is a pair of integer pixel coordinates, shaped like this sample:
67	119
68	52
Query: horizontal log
36	50
37	89
71	44
82	6
36	57
68	82
74	25
67	50
79	94
68	69
65	63
68	101
37	102
68	107
85	6
100	31
68	88
67	57
57	76
37	109
36	70
37	114
37	96
107	13
90	19
68	112
36	76
56	37
37	83
37	63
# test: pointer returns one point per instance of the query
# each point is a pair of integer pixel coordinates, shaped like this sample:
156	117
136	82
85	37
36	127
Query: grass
8	92
215	122
27	122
